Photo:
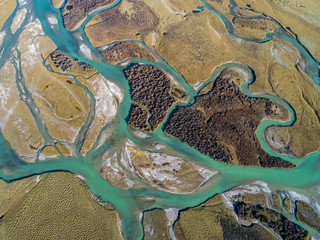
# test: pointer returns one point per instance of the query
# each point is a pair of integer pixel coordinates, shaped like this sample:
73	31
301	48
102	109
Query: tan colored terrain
123	51
57	3
221	123
194	47
63	106
300	17
155	223
25	139
130	20
59	206
116	178
6	9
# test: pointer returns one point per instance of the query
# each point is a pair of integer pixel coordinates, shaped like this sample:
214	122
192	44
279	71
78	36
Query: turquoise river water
130	203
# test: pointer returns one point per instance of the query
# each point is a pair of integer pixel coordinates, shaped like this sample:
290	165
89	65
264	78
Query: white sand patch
38	178
276	56
106	105
4	95
85	51
9	95
153	38
81	177
163	172
180	13
117	162
17	20
30	54
245	74
166	169
284	55
172	215
264	186
22	2
9	112
42	157
229	197
215	32
139	133
52	19
116	90
198	85
2	35
295	196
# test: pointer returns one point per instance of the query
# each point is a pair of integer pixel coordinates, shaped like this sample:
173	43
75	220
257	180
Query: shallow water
130	203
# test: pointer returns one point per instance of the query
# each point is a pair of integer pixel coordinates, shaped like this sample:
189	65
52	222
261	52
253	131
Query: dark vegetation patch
222	125
150	88
68	64
75	10
271	219
251	23
233	230
138	118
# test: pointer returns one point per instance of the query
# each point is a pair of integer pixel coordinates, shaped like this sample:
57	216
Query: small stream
130	203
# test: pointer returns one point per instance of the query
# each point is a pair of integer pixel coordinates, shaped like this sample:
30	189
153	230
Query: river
130	203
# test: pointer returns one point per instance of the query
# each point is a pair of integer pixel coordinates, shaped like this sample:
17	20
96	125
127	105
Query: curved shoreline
128	203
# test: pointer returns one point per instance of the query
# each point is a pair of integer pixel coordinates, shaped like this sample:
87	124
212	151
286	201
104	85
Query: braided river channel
131	203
